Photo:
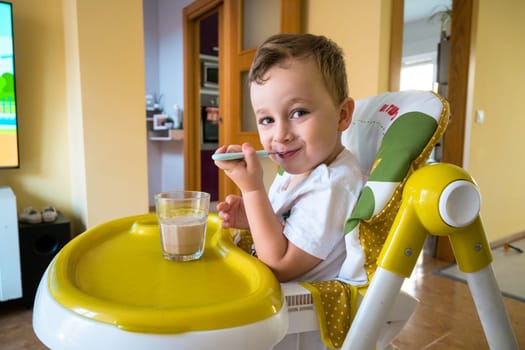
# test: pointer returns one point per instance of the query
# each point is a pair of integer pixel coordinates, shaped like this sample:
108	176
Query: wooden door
237	119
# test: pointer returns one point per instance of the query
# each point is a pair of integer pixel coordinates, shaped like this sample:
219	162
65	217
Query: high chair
110	288
391	135
404	200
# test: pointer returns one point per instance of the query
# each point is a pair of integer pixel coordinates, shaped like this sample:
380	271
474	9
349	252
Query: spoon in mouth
239	155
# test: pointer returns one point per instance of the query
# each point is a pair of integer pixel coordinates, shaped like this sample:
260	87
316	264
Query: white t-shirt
314	212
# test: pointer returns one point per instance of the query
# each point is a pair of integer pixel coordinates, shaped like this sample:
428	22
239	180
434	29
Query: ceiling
416	10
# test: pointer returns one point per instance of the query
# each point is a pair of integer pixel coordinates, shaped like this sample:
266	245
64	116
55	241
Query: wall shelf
208	91
166	135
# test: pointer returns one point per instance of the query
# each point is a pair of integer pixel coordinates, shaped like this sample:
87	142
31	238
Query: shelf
166	135
208	91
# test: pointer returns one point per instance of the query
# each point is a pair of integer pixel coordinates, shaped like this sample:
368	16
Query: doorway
163	61
463	17
201	16
209	102
424	62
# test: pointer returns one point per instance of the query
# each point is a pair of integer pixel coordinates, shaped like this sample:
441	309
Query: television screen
8	118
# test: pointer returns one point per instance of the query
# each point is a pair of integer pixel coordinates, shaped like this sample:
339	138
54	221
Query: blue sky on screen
6	44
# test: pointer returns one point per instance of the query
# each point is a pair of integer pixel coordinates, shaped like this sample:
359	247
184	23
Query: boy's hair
327	55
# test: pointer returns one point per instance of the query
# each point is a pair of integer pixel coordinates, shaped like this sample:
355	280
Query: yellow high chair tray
115	273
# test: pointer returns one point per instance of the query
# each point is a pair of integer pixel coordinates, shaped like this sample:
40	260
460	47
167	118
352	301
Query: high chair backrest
391	135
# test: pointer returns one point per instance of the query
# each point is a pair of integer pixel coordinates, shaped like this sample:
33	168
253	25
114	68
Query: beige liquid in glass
182	238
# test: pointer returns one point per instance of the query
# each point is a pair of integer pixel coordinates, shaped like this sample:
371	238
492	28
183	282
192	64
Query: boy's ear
345	113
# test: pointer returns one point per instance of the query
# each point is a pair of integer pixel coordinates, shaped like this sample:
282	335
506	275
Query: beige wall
361	28
111	52
496	148
80	86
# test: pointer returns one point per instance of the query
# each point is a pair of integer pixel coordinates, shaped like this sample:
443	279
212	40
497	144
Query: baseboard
508	239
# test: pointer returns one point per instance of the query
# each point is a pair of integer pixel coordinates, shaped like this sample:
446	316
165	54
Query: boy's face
297	117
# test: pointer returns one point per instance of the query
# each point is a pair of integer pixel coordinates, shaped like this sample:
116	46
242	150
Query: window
418	73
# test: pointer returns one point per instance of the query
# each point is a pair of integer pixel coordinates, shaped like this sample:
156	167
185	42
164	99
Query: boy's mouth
285	154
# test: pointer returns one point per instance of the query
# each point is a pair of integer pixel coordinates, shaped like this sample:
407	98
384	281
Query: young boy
299	93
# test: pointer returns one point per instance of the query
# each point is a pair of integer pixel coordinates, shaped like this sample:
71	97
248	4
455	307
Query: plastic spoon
239	155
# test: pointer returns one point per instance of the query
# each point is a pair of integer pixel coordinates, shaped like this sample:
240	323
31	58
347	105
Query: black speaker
39	243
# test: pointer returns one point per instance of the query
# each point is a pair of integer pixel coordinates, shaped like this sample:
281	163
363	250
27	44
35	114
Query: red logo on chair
390	109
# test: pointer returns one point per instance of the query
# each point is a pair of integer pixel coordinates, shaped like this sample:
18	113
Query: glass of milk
182	217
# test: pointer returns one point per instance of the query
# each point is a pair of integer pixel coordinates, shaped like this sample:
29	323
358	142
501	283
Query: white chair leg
403	308
491	310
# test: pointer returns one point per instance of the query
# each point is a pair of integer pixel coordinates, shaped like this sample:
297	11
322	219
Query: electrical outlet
480	116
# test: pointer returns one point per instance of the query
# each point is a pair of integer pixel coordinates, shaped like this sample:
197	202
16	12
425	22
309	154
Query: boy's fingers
222	206
221	149
249	154
230	199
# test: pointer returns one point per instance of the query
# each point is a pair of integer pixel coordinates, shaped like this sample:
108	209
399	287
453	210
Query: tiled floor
446	317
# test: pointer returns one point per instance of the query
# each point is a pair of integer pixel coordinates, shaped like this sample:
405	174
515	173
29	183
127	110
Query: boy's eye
298	113
265	120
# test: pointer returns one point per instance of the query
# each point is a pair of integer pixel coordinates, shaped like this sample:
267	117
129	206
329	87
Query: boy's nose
282	133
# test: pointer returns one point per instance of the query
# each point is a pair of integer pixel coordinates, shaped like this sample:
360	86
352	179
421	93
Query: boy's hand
247	173
231	211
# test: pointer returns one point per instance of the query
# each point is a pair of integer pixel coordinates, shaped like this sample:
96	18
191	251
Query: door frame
192	15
